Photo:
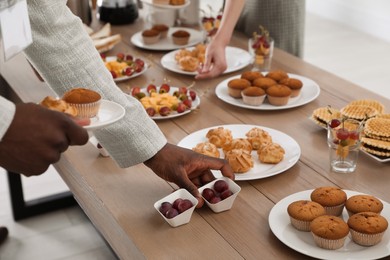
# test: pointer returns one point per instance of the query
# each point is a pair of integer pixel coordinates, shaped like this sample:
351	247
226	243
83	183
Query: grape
184	205
171	213
334	123
176	203
192	94
208	194
164	111
220	186
342	134
165	206
215	200
226	193
354	135
151	111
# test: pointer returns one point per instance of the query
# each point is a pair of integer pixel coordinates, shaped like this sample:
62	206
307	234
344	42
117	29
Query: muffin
277	75
331	198
86	101
278	95
240	160
264	83
161	2
251	75
302	212
207	148
253	96
150	36
367	228
271	153
177	2
235	86
258	137
363	203
294	84
329	232
180	37
162	28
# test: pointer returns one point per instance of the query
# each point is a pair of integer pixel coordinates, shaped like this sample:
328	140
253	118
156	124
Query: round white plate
260	170
303	242
135	74
236	59
309	92
109	112
167	44
173	114
150	2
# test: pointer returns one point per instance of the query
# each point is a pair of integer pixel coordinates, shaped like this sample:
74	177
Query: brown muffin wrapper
366	239
330	244
88	110
300	224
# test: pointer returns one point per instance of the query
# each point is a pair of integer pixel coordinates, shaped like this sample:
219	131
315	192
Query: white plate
303	242
167	44
260	170
173	114
109	112
309	92
150	2
236	59
135	74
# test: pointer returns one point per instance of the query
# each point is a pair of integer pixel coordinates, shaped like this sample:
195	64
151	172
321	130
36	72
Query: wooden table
119	202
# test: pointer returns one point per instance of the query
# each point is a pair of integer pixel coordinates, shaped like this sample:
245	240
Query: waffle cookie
359	112
376	147
321	116
386	116
378	128
369	102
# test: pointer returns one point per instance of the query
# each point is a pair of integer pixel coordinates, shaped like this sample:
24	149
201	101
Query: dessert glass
261	54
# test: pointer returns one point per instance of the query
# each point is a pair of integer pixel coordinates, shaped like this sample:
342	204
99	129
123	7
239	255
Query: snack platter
123	78
303	242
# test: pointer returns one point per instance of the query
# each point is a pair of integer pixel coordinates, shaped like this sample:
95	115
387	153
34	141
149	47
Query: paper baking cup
366	239
87	110
330	244
300	224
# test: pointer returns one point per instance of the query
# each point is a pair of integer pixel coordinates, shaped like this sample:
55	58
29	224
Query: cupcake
251	75
180	37
329	232
331	198
278	95
150	36
302	212
277	75
367	228
363	203
264	83
162	28
86	101
294	84
235	86
253	96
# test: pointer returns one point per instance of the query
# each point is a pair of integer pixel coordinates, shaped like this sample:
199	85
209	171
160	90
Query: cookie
321	116
359	112
371	103
376	147
378	128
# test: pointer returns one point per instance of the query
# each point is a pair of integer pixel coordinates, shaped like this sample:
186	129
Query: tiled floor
67	234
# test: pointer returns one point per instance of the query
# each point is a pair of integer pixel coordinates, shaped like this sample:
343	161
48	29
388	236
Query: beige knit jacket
65	56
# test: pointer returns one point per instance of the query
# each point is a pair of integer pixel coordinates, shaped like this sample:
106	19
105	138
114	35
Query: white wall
369	16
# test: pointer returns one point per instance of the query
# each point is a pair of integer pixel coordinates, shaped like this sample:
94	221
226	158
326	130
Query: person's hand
215	61
36	138
187	169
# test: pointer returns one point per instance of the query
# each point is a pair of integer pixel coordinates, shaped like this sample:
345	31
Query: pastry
207	148
367	228
329	232
181	37
302	212
359	112
323	115
237	143
162	28
59	105
189	63
369	102
363	203
294	84
264	83
277	75
240	160
377	147
378	128
150	36
253	96
278	95
86	101
271	153
331	198
251	75
258	137
235	86
219	136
